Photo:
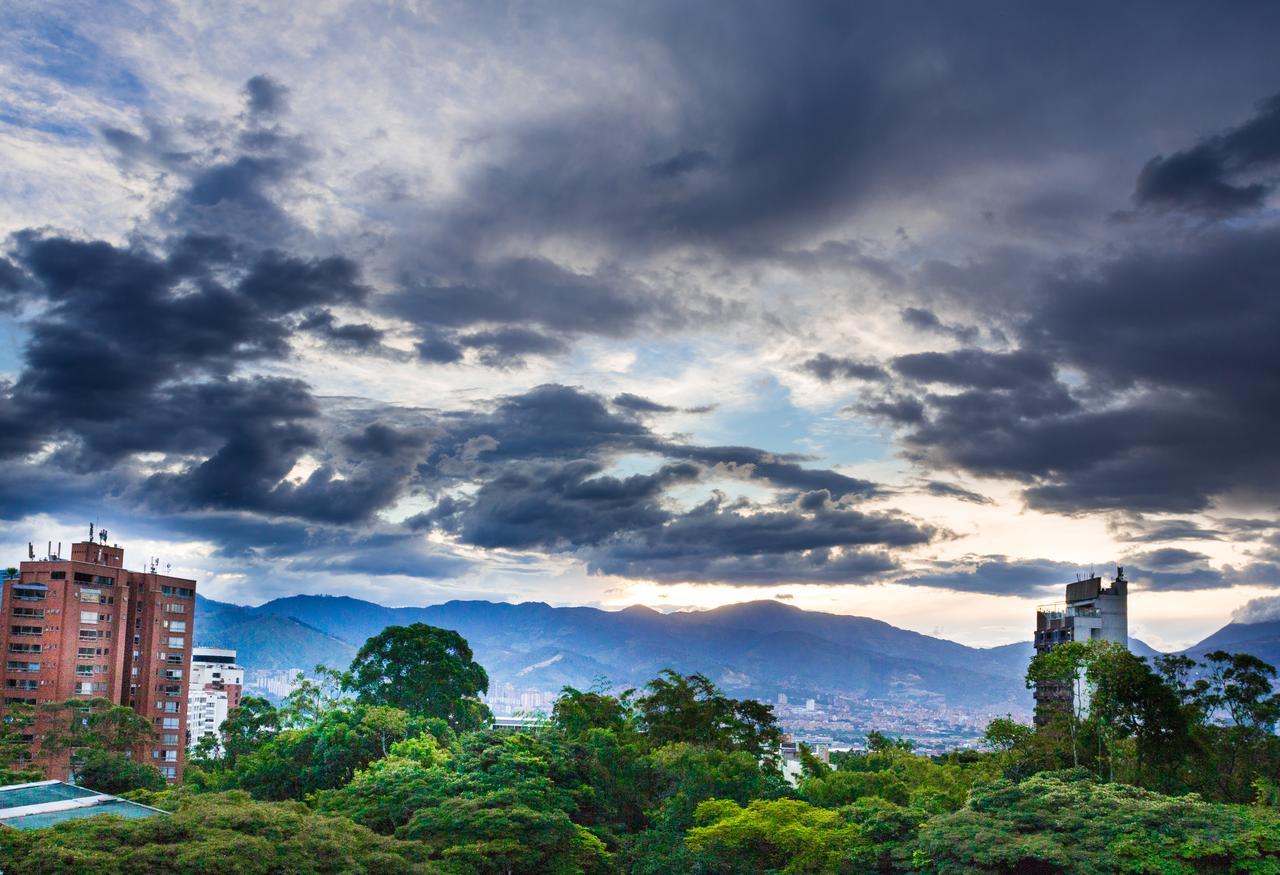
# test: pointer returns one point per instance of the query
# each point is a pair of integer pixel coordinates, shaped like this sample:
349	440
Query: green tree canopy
212	834
692	709
426	671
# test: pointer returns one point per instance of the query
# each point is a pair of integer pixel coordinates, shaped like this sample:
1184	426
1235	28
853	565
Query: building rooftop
48	803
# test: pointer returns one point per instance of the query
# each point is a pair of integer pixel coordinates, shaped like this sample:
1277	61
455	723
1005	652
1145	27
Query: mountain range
757	648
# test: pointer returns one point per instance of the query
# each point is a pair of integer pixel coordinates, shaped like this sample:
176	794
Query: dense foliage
1169	768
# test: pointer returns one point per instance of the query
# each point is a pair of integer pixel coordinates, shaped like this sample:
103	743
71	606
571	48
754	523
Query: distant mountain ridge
754	648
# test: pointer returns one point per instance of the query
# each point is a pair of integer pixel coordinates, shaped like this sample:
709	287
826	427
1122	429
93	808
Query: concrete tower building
85	627
1093	611
217	683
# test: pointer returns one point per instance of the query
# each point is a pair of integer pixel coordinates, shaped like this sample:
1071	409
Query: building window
84	671
177	591
33	613
172	674
90	595
169	772
176	625
169	723
175	641
23	684
26	630
12	665
81	577
88	616
28	594
57	575
24	648
174	608
169	738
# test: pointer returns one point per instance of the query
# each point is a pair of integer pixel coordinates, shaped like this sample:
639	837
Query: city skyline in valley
909	317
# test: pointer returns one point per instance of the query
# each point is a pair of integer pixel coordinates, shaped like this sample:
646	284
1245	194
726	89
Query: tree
297	762
425	671
1062	668
213	834
111	772
17	723
1005	734
1129	700
496	807
387	793
312	698
80	727
1065	822
247	727
782	835
692	709
575	712
1241	711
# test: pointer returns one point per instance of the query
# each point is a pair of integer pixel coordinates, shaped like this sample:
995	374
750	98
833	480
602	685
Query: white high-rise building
216	686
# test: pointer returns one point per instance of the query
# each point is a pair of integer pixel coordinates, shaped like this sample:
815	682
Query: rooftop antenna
103	536
90	533
48	550
59	553
31	550
167	566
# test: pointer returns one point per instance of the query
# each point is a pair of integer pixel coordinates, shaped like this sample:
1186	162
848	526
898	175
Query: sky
915	311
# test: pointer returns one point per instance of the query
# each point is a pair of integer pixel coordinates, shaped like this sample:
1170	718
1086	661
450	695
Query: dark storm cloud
124	326
531	291
827	368
231	174
998	575
736	542
564	506
783	471
266	96
507	347
721	152
923	319
360	337
1137	529
1219	175
976	369
1176	348
538	465
379	439
560	422
513	307
1167	558
951	490
640	404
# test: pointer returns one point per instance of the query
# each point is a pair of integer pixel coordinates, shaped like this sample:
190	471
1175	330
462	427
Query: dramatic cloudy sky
906	310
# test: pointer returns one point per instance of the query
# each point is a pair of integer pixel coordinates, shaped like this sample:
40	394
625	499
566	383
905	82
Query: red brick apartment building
86	627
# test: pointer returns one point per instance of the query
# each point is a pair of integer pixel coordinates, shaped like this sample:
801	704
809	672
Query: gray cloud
827	368
1217	176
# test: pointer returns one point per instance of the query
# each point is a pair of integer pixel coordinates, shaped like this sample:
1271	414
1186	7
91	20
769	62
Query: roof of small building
48	803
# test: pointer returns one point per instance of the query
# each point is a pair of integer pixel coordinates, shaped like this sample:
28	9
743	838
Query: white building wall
206	709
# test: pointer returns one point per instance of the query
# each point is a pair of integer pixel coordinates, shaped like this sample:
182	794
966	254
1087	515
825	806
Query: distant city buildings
273	683
507	699
215	688
1093	611
85	627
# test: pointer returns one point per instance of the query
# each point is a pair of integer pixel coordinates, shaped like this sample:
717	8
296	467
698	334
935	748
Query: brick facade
86	627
